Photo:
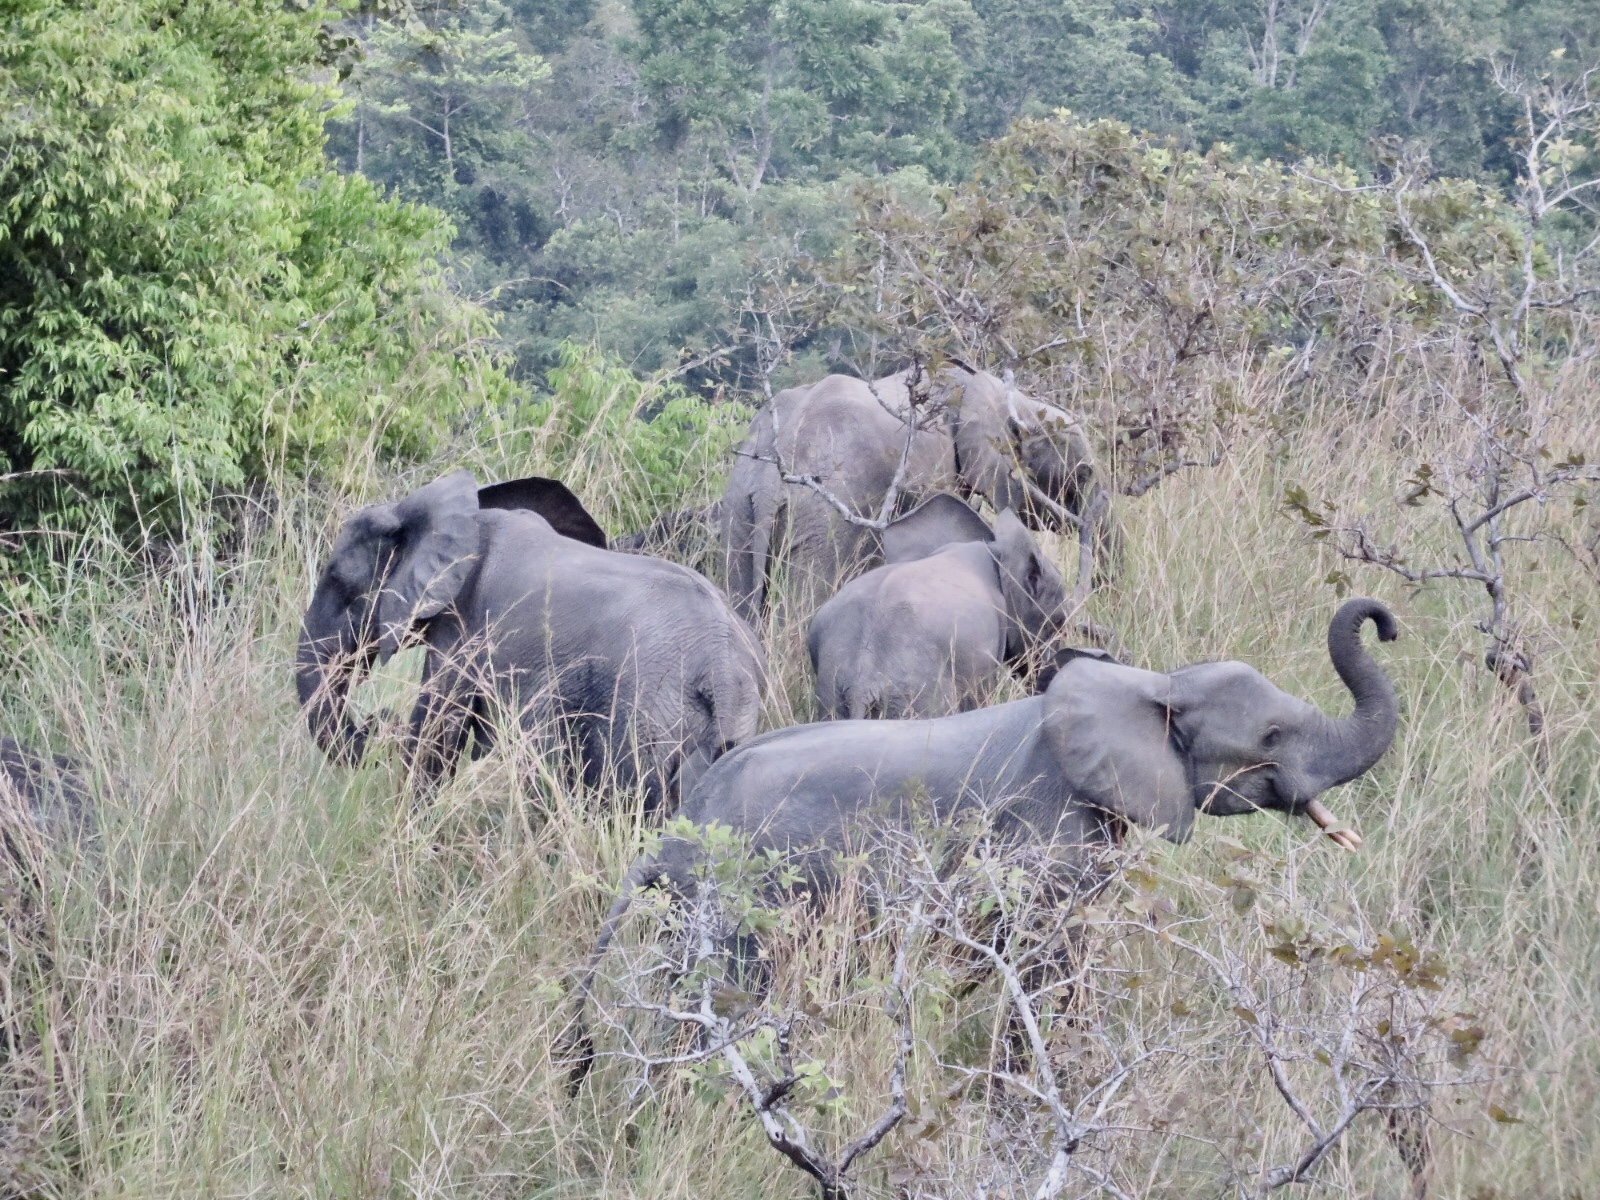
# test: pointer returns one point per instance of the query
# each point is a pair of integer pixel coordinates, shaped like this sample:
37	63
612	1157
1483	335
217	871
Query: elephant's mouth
1221	798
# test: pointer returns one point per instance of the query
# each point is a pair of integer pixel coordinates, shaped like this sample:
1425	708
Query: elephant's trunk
326	667
1350	746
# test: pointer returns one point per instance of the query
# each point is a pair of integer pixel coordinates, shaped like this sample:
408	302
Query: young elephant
926	634
641	661
1104	744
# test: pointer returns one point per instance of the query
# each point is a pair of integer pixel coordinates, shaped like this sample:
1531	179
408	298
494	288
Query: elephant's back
840	426
784	785
528	564
950	594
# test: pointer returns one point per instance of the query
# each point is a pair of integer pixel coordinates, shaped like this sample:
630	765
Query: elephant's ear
983	439
1047	672
552	500
1049	446
935	522
1111	730
436	548
1035	594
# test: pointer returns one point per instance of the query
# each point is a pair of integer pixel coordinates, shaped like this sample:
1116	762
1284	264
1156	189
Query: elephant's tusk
1346	837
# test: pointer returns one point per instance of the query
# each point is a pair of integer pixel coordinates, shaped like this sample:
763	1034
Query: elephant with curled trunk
641	664
927	633
1104	744
975	435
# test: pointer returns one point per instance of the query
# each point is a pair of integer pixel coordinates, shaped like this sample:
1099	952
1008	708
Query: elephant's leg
447	709
824	550
479	728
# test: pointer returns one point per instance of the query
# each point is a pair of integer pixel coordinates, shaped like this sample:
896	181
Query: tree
774	88
1098	58
192	298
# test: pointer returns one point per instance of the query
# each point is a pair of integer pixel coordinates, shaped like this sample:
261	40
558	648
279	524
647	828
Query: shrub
190	298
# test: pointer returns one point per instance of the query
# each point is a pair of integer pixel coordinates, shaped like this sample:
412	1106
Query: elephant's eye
1271	737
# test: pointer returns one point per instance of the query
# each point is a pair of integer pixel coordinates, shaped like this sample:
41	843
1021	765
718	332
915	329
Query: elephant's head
391	566
394	565
1035	593
1217	737
1006	441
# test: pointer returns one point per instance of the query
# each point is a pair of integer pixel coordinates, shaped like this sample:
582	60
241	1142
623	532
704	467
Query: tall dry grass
275	977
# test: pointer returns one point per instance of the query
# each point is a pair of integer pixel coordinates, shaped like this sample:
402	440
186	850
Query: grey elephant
975	435
641	664
927	633
1105	744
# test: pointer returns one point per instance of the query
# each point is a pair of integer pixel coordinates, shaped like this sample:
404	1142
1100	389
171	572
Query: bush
632	449
192	300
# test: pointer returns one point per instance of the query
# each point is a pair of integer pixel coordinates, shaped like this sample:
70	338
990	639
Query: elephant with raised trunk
640	664
1105	744
926	634
975	435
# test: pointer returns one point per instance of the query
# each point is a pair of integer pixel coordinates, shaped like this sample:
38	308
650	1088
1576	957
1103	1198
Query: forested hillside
618	171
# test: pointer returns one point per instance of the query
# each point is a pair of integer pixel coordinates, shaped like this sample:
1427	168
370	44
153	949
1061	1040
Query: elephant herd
849	503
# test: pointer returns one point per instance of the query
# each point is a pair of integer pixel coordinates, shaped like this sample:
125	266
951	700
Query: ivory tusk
1348	839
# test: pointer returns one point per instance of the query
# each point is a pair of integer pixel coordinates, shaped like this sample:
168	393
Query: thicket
270	977
192	300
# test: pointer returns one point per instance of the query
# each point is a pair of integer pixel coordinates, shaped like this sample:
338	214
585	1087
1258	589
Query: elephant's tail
576	1038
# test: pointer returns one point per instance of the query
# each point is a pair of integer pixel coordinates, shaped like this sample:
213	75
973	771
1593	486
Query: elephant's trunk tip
1347	622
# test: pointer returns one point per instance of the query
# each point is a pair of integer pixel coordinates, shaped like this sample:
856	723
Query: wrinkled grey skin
1105	743
640	662
927	633
986	440
44	800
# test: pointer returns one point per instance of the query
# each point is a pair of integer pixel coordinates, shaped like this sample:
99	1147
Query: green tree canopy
190	297
772	88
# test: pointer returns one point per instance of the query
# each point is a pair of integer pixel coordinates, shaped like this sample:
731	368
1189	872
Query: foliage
1137	282
636	448
624	196
1102	999
774	89
1095	57
1532	318
275	976
192	299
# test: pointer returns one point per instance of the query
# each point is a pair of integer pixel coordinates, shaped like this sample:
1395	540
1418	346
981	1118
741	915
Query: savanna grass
277	977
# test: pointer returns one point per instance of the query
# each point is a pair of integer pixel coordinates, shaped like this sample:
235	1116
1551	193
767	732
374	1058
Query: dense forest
616	173
1274	326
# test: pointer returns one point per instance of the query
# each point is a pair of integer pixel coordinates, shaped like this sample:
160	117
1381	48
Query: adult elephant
926	634
844	439
640	662
1105	744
